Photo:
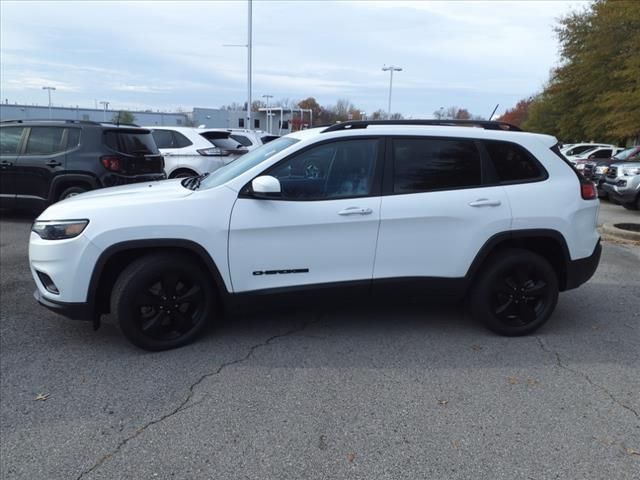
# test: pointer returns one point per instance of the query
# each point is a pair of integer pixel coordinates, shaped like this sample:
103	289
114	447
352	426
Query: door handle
53	163
5	163
485	202
355	211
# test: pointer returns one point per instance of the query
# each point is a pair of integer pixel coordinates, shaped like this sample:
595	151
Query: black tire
71	192
516	293
163	301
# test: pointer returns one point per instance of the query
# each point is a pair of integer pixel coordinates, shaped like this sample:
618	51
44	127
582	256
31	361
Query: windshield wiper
194	182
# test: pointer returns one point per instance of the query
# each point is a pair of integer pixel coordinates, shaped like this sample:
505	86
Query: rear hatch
134	152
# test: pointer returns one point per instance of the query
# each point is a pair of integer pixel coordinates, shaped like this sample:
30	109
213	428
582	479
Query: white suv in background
357	210
187	153
250	139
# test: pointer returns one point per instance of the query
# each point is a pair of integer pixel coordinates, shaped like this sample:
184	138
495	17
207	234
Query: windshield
623	155
246	162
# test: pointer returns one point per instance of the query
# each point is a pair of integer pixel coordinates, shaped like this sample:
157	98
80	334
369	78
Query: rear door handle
355	211
485	202
53	163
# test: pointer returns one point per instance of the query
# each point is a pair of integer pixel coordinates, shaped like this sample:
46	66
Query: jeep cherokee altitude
43	161
372	208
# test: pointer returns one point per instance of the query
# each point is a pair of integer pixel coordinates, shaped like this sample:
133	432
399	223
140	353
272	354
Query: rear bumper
74	311
581	270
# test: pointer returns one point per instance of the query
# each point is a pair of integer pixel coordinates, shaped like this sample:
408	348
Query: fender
71	178
193	247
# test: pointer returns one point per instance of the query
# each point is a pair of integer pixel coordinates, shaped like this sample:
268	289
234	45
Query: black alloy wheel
516	292
163	301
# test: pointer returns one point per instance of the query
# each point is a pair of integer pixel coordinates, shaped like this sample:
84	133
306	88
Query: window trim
376	183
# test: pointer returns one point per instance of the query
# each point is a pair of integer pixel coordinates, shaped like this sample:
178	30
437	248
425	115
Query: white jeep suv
376	209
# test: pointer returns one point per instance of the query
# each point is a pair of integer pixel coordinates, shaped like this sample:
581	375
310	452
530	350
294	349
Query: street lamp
105	105
390	69
268	97
49	89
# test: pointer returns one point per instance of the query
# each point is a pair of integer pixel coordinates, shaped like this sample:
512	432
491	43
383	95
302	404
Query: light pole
268	97
49	89
105	105
390	69
248	46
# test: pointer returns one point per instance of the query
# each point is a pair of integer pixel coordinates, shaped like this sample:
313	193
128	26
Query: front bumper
619	194
581	270
74	311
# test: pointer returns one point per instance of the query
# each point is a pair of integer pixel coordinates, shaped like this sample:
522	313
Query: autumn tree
518	114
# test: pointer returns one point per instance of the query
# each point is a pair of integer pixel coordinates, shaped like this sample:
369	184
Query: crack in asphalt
561	364
185	403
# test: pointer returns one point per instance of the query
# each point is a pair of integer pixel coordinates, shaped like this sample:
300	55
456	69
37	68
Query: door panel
438	234
318	240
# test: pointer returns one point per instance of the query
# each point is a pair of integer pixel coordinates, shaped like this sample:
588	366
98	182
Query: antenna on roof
494	111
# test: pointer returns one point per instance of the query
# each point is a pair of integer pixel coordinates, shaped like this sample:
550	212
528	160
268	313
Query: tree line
594	92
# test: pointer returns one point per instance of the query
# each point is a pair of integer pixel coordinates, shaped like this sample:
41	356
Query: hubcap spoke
147	298
154	324
537	289
502	309
193	295
169	283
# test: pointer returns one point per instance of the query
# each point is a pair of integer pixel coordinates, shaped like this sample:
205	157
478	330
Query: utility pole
390	69
105	105
49	89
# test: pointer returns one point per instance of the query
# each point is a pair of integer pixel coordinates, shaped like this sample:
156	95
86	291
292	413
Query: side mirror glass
266	186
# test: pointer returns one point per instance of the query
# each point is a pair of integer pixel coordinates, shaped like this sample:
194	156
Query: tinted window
44	140
163	138
602	154
224	143
181	140
333	170
242	140
130	142
421	165
578	150
512	162
10	140
73	137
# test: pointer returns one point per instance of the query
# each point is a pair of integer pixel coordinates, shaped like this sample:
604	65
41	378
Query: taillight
112	163
213	152
588	191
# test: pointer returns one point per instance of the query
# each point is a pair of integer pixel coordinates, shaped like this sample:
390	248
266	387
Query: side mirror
266	186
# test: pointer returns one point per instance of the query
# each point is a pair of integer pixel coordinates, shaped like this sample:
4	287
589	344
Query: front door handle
53	163
485	202
355	211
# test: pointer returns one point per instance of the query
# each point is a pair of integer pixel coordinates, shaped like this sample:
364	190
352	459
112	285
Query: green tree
123	117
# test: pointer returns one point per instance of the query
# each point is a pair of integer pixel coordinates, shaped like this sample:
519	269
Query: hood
126	196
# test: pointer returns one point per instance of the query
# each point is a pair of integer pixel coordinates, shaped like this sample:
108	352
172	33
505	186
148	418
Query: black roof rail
63	120
486	124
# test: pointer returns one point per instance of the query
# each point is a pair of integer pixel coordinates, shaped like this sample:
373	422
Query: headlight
58	229
602	169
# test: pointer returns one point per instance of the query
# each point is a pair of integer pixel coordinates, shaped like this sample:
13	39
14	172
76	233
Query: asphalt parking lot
384	393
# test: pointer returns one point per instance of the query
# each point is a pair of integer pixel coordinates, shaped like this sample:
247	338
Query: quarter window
511	162
330	171
181	141
44	141
10	140
423	165
163	138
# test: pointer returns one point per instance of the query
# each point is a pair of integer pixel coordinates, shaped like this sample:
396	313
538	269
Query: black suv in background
44	161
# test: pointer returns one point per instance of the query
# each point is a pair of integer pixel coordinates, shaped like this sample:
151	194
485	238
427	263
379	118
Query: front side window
10	140
426	164
44	141
511	162
330	171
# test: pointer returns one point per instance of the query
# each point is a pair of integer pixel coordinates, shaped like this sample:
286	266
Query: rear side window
44	141
10	140
423	165
73	137
512	163
130	142
242	140
163	138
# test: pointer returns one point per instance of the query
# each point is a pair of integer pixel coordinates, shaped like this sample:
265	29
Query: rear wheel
163	301
72	192
516	293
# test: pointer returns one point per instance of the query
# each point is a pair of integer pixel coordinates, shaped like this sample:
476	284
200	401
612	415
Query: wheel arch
62	182
114	259
550	244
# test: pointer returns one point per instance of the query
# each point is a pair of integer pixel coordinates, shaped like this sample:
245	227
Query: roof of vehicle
88	123
446	130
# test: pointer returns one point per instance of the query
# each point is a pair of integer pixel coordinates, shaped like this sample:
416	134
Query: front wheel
516	293
163	301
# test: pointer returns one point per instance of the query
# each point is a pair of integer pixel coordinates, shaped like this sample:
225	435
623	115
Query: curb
609	231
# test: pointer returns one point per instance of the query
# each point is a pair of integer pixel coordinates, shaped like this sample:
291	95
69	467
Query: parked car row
618	177
44	161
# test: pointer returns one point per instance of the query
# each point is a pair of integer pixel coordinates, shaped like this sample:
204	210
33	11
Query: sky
170	55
